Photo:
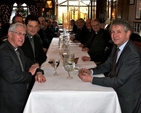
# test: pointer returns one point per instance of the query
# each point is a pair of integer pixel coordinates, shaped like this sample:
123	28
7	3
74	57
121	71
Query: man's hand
81	45
72	37
84	70
33	68
36	65
85	49
85	58
85	75
40	77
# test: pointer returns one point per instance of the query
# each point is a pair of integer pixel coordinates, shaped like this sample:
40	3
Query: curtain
33	9
5	12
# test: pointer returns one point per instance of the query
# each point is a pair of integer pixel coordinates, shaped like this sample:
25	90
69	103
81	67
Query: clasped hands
39	75
85	75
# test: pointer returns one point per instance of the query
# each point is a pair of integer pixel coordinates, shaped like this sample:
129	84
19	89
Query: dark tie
18	55
32	44
114	63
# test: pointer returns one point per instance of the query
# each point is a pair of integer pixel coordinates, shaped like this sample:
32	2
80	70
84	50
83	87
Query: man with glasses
96	44
81	33
16	71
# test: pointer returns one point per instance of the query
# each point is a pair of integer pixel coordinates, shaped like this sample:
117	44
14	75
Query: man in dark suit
81	33
96	44
73	25
17	18
32	46
49	30
42	33
125	75
89	33
16	71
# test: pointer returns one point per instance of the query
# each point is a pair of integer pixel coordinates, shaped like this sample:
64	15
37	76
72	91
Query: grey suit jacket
13	81
127	79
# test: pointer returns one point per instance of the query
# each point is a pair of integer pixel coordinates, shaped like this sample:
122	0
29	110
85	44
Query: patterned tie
114	63
18	55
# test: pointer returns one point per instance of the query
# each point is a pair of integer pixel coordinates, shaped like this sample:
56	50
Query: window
73	9
21	9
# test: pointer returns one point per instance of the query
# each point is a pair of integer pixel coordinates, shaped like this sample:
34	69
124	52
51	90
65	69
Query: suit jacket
127	77
97	44
45	40
13	81
81	35
74	29
40	55
50	34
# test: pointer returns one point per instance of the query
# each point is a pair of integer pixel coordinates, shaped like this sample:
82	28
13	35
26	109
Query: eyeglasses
19	33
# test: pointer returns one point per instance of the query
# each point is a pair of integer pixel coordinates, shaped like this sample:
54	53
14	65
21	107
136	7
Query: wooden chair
138	44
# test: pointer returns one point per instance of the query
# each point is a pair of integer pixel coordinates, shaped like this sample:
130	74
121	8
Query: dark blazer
13	81
45	40
50	34
127	77
81	35
97	44
74	29
40	55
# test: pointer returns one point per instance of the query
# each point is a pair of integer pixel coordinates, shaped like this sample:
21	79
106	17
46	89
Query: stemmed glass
69	66
55	63
66	45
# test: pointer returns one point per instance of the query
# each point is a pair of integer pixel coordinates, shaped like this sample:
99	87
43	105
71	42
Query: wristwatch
39	70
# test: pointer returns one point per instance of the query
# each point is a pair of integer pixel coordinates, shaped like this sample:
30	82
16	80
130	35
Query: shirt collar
29	36
122	46
15	49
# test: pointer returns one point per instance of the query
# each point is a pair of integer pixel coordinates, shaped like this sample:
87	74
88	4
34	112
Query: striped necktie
18	55
114	63
32	45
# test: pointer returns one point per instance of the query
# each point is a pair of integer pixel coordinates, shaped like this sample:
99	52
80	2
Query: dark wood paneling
101	10
122	9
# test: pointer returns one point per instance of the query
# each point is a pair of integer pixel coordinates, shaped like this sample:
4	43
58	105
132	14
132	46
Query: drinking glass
69	66
64	57
55	63
71	57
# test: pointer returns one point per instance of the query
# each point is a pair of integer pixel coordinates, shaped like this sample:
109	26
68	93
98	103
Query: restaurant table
62	95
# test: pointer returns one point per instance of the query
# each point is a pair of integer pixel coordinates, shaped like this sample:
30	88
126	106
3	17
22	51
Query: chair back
138	44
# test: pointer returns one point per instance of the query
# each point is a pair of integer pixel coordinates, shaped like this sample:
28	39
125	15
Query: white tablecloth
62	95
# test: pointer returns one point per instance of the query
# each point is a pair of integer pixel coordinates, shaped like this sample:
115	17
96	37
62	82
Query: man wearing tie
16	71
125	75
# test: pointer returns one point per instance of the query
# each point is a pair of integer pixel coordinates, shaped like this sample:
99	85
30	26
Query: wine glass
71	57
69	66
55	63
64	57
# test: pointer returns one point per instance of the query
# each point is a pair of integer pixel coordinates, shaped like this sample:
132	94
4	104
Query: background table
62	95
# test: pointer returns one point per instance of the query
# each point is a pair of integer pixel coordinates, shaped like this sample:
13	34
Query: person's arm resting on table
85	75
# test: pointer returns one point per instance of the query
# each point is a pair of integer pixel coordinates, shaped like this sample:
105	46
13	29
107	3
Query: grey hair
95	20
81	19
122	22
15	25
